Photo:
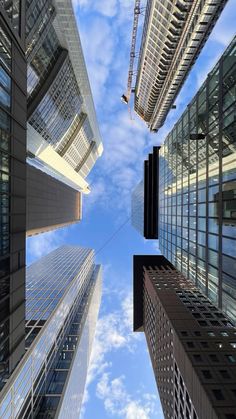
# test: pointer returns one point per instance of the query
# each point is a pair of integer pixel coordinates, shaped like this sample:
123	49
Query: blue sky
120	379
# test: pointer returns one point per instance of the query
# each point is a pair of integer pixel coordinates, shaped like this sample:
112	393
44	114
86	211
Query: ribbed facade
173	35
198	188
191	343
12	185
63	132
63	292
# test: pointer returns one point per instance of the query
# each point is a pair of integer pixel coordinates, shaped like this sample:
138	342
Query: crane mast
126	97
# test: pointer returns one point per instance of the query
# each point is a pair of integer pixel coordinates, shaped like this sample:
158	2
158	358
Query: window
190	345
202	322
207	374
231	358
197	333
234	392
215	323
224	374
197	358
213	358
219	345
204	344
225	334
218	394
211	334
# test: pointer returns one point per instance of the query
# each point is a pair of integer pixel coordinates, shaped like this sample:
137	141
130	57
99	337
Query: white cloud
42	244
113	333
117	400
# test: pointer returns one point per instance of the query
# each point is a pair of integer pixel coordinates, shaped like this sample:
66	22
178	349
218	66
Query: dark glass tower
12	184
191	343
145	198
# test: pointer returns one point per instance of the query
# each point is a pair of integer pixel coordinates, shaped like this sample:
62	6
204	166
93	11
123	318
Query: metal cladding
173	35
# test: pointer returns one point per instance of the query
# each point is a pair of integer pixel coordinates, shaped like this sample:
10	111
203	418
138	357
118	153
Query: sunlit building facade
191	342
12	185
62	135
63	292
198	188
174	33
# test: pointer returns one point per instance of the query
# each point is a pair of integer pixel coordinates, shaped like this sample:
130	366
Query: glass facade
12	9
56	111
62	288
58	90
39	15
198	187
137	208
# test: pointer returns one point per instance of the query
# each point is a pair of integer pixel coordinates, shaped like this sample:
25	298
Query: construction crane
137	11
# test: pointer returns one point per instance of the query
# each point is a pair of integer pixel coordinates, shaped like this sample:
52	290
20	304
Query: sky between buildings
120	380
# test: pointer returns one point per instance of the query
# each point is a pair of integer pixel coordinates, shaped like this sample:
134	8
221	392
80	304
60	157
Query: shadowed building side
12	185
50	203
145	198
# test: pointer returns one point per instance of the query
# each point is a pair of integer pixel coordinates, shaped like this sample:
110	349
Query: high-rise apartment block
174	33
12	183
63	292
50	204
62	134
191	343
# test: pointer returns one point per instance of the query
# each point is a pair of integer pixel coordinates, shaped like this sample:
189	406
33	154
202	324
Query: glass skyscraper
63	137
198	188
145	198
63	292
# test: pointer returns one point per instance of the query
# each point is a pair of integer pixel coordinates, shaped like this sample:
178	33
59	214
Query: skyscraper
145	198
62	301
197	188
137	207
50	204
12	183
191	343
174	33
63	137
